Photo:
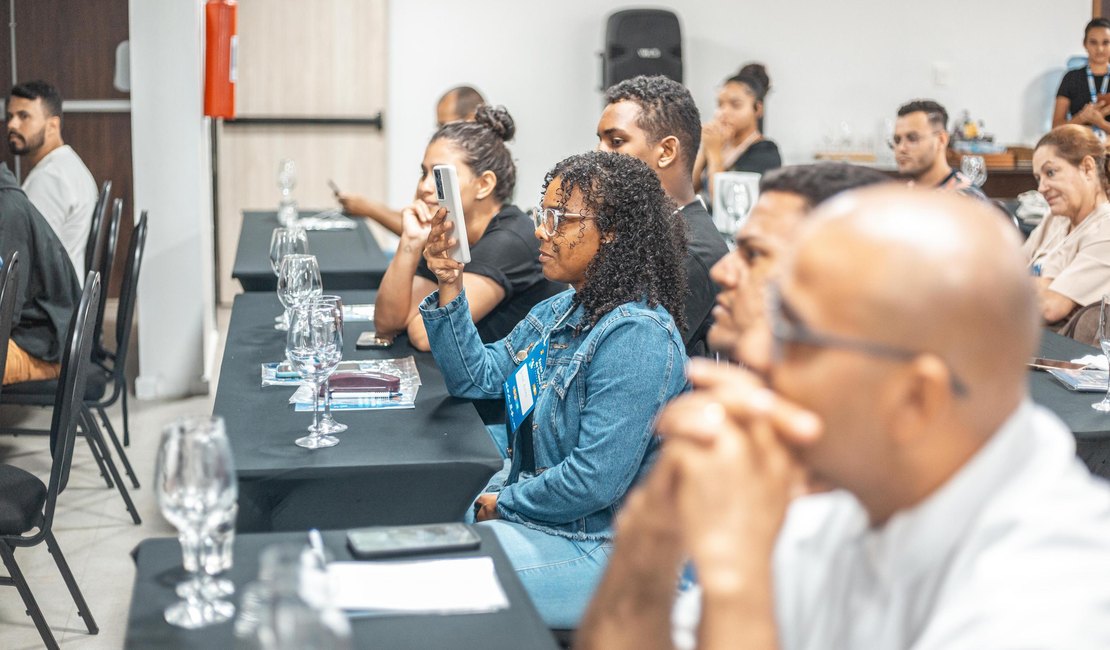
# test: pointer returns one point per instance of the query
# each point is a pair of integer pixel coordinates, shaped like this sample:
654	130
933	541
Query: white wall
172	164
851	61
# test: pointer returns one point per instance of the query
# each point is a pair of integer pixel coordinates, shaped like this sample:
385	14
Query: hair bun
757	71
497	119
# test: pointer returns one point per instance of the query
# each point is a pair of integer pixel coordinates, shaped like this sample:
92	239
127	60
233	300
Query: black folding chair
25	502
9	286
94	247
107	260
42	393
112	368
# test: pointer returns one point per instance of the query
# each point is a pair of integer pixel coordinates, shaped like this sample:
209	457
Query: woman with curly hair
614	356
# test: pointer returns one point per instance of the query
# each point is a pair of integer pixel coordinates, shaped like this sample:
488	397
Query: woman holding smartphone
503	279
613	355
1083	91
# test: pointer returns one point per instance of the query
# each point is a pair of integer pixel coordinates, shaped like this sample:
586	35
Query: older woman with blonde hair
1069	252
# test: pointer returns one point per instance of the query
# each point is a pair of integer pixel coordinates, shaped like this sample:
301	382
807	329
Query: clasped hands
726	473
1094	114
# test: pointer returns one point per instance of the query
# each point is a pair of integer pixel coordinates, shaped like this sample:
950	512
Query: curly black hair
666	108
482	143
643	247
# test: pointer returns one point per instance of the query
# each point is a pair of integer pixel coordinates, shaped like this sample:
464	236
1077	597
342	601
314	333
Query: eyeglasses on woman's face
549	218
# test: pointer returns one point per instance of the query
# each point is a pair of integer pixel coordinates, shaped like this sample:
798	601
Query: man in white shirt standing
959	516
55	179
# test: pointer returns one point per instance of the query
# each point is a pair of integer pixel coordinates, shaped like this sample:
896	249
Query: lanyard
1091	84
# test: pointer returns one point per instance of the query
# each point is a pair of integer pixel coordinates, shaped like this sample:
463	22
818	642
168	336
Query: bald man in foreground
959	516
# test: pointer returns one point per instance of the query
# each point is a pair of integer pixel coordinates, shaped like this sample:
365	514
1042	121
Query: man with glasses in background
920	146
959	516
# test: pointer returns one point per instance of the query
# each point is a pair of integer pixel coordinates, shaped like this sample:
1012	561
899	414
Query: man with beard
56	180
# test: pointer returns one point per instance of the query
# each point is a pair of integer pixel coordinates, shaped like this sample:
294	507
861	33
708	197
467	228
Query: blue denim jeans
559	574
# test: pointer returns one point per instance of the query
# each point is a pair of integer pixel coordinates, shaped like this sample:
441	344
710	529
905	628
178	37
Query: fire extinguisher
221	58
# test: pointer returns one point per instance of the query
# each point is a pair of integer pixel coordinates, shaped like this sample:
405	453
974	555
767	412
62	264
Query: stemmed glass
737	200
314	347
298	282
286	241
975	168
1104	342
327	422
196	488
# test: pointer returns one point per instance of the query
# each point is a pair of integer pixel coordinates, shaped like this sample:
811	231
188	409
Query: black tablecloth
1091	428
159	570
349	259
391	467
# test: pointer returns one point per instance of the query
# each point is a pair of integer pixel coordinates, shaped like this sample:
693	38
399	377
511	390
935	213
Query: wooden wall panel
326	59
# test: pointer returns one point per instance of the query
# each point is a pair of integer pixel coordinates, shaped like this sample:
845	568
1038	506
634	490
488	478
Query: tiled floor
93	528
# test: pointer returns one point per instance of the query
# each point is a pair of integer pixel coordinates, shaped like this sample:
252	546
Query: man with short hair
458	103
921	149
48	289
655	119
786	198
56	180
959	515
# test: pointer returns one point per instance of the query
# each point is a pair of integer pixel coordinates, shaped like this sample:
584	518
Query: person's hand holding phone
437	253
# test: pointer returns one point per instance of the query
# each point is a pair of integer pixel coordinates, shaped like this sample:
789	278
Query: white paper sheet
464	585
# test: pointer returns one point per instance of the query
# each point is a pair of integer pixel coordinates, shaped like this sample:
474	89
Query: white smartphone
447	193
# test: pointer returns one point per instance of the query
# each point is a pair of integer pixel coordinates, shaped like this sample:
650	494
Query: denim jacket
594	416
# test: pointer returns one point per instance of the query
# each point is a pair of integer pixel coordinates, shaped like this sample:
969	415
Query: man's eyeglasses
787	327
911	139
550	218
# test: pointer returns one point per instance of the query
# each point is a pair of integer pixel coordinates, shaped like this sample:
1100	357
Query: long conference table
158	570
410	466
349	259
1091	428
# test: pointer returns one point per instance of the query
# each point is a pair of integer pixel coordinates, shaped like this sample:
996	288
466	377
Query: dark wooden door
73	46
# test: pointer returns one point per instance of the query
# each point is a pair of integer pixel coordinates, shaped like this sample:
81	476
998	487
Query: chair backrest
128	292
68	400
105	270
94	248
9	286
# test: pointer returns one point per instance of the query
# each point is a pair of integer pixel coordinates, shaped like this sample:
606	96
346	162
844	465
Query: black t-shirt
507	253
760	158
704	246
1075	89
48	288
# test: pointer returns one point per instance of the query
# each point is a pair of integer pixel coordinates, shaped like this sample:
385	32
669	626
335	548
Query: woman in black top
504	278
733	141
1078	99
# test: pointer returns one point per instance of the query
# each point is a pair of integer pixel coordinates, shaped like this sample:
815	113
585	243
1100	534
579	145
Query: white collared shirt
64	192
1012	552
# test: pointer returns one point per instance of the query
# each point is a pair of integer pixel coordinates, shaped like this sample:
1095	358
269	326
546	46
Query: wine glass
298	282
196	486
737	200
1104	342
314	347
327	422
975	168
286	241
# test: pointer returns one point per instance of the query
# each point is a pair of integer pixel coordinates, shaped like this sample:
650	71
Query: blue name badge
523	385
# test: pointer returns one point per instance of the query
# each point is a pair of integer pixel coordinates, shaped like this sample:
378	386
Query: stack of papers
1087	380
404	369
327	220
465	585
358	313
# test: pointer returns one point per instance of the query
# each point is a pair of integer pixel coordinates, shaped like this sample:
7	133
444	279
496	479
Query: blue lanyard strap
1091	84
